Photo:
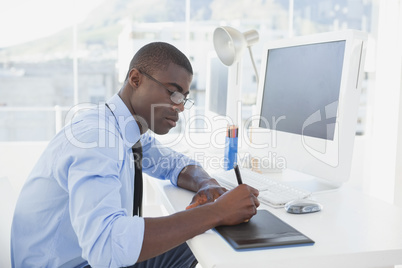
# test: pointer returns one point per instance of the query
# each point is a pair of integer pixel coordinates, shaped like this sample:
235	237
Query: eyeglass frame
175	96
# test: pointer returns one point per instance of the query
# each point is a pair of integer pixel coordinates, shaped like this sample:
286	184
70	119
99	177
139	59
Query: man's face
152	101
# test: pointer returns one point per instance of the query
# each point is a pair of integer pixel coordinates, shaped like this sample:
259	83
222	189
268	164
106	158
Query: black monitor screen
301	89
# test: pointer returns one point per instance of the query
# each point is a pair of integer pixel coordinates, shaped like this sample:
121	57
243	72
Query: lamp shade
229	43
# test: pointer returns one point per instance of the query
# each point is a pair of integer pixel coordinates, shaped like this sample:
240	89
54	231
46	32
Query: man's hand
196	179
237	205
208	193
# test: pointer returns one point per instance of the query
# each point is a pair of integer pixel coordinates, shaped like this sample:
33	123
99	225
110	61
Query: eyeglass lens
179	98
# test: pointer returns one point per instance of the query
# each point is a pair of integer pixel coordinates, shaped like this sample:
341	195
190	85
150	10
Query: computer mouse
302	206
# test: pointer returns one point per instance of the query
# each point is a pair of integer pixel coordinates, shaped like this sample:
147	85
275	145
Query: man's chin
161	131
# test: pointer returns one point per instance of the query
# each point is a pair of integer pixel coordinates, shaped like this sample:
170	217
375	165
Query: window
87	63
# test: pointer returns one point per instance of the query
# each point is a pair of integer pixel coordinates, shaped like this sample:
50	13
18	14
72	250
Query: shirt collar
126	123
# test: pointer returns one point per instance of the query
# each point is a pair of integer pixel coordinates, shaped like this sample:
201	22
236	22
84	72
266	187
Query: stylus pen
237	171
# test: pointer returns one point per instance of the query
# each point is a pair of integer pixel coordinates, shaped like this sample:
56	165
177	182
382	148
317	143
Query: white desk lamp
229	44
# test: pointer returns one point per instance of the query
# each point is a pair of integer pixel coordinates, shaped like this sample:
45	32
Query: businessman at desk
76	208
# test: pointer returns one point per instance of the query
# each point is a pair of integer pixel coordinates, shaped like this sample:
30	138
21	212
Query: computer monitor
214	122
308	102
216	86
216	98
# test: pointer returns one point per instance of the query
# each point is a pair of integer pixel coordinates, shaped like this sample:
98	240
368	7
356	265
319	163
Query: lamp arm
252	61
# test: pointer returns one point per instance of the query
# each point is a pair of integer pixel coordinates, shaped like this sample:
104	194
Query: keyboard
273	193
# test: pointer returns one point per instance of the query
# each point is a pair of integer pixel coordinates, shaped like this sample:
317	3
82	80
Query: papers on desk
264	230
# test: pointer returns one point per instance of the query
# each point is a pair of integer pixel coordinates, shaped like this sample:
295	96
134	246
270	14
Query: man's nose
179	107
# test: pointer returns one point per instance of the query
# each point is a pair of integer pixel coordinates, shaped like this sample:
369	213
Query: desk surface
353	230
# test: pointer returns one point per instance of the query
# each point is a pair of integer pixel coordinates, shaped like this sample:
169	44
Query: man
76	206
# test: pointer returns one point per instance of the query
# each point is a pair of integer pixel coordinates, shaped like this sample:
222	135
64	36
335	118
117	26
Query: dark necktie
137	152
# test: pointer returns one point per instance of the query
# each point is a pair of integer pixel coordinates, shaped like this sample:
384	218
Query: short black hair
157	56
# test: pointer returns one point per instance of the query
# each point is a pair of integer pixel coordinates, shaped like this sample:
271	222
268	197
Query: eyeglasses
175	96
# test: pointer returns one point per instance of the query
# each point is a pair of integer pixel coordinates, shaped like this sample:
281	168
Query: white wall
384	143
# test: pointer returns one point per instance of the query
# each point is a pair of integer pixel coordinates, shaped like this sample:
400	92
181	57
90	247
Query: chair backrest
8	198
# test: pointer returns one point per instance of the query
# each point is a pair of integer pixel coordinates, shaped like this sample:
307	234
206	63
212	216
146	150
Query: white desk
353	230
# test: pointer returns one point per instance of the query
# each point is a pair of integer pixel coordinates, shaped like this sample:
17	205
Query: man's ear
134	78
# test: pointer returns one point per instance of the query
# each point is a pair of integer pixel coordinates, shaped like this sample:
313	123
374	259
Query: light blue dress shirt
77	202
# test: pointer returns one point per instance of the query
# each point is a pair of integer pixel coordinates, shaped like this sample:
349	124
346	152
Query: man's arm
164	233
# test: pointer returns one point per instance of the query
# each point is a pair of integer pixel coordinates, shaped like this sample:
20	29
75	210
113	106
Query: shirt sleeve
162	162
107	235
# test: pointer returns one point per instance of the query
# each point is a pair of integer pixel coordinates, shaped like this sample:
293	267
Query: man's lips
172	120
